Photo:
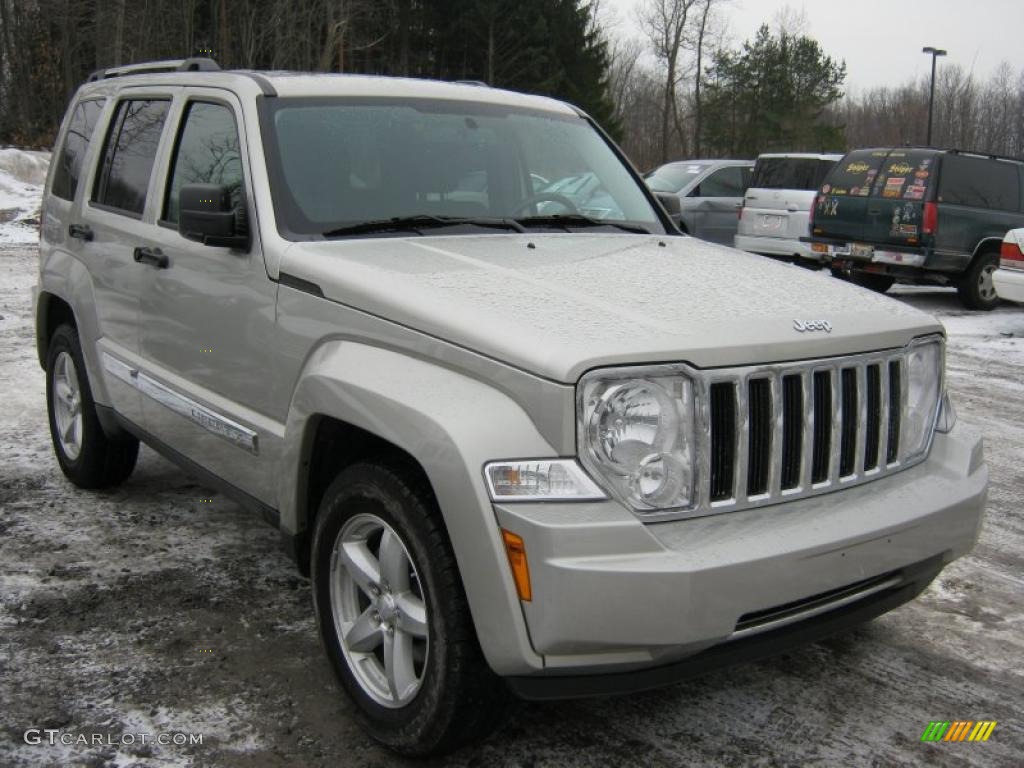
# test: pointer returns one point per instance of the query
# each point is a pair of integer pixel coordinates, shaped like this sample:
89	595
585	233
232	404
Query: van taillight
930	219
1010	255
810	214
739	210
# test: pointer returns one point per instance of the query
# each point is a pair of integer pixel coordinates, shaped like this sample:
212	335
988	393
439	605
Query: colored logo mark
958	730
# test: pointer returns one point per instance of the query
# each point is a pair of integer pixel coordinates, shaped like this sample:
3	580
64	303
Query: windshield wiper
578	220
420	222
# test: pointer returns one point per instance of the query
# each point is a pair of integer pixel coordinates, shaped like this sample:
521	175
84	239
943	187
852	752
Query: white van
777	205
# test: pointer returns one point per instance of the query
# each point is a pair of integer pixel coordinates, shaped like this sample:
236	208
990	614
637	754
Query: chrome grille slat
861	373
775	457
807	462
759	421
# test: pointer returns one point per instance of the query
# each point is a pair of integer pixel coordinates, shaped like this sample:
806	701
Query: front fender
452	425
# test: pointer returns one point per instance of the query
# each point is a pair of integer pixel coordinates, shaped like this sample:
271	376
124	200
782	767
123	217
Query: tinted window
979	183
207	153
672	178
340	162
129	154
904	174
789	172
855	174
725	182
76	145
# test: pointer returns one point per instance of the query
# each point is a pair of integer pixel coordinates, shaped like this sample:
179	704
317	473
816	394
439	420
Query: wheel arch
356	402
51	312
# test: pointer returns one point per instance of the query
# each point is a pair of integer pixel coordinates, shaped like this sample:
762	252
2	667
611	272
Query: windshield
339	163
672	178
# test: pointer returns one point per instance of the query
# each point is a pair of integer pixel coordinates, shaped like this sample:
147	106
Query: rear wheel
393	617
976	289
876	282
87	456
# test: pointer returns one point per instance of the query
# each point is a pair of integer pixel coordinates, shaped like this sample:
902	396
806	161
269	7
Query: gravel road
160	607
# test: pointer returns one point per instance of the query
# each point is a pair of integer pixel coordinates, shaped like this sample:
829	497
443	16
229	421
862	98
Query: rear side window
725	182
672	178
129	154
979	183
76	145
207	153
790	172
905	174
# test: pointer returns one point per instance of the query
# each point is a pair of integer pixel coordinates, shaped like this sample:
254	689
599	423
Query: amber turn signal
516	552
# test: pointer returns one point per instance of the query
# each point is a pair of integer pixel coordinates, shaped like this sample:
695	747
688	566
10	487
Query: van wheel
86	455
393	617
976	289
879	283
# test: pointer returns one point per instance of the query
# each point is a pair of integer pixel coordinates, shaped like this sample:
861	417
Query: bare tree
666	24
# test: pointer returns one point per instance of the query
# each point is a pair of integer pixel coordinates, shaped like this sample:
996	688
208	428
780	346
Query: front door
718	198
208	316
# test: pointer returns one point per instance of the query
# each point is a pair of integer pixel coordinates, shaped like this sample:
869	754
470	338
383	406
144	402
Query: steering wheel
552	197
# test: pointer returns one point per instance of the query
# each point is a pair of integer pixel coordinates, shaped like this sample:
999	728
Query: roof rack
197	64
954	151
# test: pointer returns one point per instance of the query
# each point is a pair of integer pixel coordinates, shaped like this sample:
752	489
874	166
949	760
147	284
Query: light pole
935	52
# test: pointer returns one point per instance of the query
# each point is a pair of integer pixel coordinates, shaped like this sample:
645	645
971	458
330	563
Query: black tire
875	282
975	286
100	461
459	699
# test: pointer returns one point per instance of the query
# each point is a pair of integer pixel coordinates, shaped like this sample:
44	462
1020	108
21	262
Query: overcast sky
881	40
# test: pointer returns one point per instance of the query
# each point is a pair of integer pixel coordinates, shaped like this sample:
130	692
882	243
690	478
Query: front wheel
393	617
87	456
976	289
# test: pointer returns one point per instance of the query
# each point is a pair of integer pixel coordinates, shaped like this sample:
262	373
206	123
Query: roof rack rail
196	64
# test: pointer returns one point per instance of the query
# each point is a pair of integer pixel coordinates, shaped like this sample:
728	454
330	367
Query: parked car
709	192
1008	280
777	206
919	215
515	451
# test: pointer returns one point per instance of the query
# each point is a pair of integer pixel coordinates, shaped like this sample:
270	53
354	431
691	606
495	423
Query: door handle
791	208
152	256
874	211
80	231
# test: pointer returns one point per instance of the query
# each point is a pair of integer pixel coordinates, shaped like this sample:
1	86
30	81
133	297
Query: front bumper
776	246
614	596
1009	284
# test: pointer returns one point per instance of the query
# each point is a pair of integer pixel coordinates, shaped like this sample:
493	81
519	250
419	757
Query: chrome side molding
216	423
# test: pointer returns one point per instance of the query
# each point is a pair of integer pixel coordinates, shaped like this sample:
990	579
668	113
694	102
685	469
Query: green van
918	215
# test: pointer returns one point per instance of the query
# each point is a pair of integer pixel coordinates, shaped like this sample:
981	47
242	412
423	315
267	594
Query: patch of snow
22	176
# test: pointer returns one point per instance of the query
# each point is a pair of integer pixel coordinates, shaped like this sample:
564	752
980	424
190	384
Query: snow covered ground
161	606
22	175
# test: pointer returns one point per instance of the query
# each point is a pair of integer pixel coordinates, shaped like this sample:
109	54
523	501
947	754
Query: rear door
901	188
114	221
780	196
842	202
715	203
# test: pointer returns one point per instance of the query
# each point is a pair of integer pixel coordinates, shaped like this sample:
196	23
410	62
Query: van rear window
855	174
905	175
789	172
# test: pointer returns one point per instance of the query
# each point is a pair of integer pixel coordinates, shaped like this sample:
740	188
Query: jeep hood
559	304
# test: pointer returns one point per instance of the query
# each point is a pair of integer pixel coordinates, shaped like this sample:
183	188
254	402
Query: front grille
790	430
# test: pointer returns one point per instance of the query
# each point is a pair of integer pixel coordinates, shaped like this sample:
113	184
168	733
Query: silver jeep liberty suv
524	436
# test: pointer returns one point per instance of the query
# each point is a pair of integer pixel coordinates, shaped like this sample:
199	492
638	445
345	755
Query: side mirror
671	204
206	216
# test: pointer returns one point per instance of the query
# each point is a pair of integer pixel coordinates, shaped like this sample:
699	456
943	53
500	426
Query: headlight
924	389
636	437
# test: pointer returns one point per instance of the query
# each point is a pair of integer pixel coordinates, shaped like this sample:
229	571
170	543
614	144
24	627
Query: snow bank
22	176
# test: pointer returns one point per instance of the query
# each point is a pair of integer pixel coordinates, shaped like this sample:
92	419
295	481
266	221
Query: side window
207	153
725	182
979	183
76	145
129	154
